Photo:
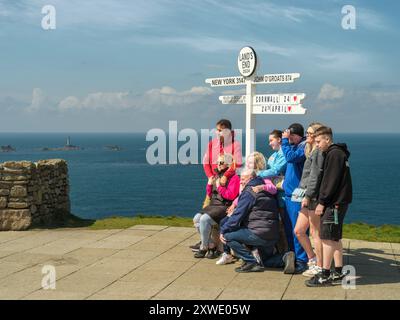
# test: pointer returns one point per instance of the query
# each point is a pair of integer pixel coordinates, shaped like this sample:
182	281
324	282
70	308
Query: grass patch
363	231
360	231
126	222
119	222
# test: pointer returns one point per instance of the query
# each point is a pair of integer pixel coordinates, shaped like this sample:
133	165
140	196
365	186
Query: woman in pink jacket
221	198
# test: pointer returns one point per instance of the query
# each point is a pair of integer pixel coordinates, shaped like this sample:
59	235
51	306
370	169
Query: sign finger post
281	103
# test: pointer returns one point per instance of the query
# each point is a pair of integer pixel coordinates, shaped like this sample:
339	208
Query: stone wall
33	193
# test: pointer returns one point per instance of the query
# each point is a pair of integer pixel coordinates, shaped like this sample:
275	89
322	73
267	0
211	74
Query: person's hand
218	183
210	180
223	181
319	210
222	239
305	203
258	189
286	133
230	210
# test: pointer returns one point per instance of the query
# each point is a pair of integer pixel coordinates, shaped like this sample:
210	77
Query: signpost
281	103
281	98
278	109
266	78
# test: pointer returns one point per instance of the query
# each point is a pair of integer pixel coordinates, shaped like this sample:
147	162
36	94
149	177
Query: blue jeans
204	223
271	260
290	218
237	240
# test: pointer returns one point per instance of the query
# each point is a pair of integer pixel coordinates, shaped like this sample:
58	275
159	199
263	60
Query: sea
106	182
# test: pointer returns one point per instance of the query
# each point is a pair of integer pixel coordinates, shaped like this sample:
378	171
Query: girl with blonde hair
309	184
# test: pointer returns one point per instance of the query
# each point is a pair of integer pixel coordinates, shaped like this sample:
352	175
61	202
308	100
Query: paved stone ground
154	262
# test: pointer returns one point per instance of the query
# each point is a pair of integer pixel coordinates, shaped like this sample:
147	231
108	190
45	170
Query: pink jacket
268	186
228	192
215	148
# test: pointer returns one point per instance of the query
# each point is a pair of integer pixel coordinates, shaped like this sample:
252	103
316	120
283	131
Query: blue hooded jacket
295	157
276	165
245	203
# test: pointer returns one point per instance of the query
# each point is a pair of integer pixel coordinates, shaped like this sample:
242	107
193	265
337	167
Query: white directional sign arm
263	99
279	109
265	79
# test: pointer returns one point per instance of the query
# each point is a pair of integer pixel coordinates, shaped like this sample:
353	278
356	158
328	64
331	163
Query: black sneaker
319	281
337	277
250	267
289	260
195	247
300	267
200	254
213	254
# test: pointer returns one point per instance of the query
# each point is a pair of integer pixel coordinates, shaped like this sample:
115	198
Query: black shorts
330	230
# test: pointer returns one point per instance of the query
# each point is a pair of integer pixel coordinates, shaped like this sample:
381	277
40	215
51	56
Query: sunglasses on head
221	162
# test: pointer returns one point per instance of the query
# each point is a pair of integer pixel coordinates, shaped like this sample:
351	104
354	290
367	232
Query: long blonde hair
311	147
259	161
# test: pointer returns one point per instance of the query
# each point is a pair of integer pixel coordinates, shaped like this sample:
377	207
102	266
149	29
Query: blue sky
134	65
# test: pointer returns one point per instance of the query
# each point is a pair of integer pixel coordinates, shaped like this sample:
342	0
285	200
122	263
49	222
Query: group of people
265	215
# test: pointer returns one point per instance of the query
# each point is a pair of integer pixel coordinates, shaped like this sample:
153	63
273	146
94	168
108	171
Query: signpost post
281	103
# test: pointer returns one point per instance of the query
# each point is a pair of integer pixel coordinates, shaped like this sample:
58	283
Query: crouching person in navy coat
253	230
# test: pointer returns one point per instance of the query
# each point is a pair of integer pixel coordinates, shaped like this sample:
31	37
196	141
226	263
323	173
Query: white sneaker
256	255
225	259
312	271
312	262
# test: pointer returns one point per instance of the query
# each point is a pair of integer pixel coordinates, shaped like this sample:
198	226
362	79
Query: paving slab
6	236
21	283
189	292
360	244
131	290
148	227
374	292
85	283
298	291
10	267
55	295
154	262
150	276
136	253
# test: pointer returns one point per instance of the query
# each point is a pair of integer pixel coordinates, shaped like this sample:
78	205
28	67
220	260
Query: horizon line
144	132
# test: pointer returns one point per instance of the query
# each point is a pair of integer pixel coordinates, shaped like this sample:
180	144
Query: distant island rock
7	148
113	148
68	147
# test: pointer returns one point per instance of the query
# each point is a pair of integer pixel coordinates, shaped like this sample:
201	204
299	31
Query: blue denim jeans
289	222
204	223
238	240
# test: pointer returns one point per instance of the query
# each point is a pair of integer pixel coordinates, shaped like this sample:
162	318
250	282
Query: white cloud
330	92
38	100
370	20
99	13
70	102
153	98
266	10
389	95
341	60
235	92
215	44
167	96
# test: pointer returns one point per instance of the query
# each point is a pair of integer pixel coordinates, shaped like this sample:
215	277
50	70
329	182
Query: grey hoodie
312	173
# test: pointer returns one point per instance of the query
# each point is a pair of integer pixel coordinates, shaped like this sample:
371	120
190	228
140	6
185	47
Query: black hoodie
336	186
